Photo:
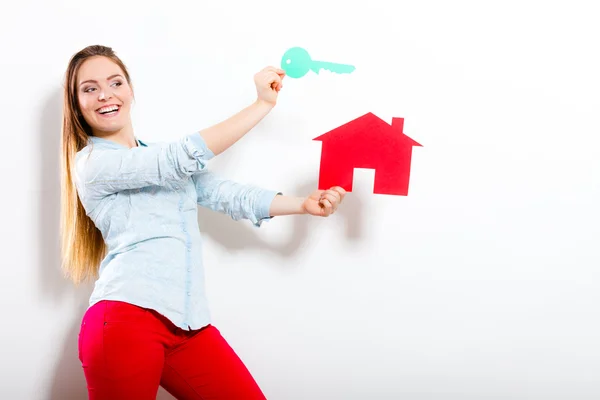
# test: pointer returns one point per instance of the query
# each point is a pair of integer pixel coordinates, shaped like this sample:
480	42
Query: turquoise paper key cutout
296	62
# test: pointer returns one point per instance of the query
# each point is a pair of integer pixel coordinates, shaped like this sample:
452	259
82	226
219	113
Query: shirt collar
112	144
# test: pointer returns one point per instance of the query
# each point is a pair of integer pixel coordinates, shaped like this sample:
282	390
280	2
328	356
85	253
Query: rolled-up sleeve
100	172
239	201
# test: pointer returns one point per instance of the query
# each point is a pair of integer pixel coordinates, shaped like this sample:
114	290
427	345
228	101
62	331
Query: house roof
369	124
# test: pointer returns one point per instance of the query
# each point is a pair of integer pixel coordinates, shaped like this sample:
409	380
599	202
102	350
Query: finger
333	200
274	86
278	71
265	73
336	194
333	196
330	191
273	72
274	69
342	192
273	79
339	196
327	206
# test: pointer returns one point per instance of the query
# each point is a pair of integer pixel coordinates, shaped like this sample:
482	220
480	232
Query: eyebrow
109	78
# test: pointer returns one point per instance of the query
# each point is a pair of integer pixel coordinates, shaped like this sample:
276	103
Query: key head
296	62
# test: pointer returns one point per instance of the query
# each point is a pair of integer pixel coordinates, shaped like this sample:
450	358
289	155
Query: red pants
127	352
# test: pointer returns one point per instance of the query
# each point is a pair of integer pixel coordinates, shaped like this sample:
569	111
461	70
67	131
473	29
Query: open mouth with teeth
108	111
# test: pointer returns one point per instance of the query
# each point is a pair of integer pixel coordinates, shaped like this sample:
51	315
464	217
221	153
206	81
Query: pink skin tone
101	83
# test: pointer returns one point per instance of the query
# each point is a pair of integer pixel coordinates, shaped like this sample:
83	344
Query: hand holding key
268	83
296	62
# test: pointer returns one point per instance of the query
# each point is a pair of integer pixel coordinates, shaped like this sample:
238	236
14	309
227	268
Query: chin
108	126
108	129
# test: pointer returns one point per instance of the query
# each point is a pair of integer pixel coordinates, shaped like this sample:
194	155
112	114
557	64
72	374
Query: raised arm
224	134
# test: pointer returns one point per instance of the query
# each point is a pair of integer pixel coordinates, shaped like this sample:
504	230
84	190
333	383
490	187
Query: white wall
482	283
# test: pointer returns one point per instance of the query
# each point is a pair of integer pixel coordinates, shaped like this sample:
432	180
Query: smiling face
104	96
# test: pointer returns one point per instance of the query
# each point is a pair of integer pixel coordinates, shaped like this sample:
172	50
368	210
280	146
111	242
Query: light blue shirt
145	201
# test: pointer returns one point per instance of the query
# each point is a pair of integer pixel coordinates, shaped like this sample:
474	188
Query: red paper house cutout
367	142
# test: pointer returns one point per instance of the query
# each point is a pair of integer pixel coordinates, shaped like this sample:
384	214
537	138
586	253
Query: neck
123	136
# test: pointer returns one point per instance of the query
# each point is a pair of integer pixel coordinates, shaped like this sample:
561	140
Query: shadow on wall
352	211
68	381
235	236
54	286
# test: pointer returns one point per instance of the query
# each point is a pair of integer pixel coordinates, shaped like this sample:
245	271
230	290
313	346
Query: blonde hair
82	244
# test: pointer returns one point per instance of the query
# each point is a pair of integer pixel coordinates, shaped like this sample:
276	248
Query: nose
104	94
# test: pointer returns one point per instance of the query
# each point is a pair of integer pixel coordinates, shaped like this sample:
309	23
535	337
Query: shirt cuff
201	150
263	204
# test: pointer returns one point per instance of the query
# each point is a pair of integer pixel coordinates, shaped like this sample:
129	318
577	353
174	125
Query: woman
129	220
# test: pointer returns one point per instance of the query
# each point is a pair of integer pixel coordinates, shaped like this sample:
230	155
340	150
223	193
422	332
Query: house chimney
398	124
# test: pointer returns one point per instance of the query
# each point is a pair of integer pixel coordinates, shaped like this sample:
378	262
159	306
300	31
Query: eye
87	90
117	84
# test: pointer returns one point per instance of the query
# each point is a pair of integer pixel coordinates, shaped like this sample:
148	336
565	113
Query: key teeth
346	69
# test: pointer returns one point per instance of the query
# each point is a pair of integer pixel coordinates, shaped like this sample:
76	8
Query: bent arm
101	172
223	135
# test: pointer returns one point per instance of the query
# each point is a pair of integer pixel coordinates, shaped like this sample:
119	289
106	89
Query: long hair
82	244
